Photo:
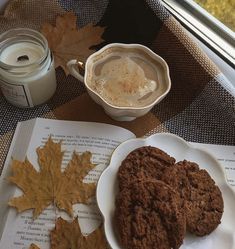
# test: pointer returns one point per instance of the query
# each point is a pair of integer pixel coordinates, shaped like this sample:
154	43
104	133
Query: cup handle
73	65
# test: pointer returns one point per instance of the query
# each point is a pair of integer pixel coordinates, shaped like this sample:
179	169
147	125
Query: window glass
223	10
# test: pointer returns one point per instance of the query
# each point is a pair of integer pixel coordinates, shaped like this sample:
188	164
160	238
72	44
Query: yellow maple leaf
68	235
67	42
50	185
33	246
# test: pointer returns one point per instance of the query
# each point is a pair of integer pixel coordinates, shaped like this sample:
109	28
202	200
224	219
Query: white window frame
209	30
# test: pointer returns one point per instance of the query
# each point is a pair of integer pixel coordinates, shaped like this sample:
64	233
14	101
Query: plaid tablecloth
199	107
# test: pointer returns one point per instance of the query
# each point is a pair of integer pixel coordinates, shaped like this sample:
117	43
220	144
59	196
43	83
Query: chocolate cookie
202	199
144	162
148	216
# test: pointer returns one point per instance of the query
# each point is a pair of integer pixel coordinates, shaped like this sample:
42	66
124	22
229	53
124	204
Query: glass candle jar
27	73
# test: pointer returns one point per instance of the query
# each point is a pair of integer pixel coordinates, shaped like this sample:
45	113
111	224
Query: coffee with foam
125	78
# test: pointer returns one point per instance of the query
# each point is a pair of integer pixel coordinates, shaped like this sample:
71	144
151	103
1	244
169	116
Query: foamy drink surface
125	79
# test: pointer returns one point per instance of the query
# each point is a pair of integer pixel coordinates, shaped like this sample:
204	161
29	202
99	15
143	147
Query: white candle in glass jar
23	53
27	74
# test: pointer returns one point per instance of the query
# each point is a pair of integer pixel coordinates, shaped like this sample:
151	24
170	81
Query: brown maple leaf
33	246
68	235
50	185
67	42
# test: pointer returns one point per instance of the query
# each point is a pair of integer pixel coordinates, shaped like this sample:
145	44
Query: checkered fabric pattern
199	107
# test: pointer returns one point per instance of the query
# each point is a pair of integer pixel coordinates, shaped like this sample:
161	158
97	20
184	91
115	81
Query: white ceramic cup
117	112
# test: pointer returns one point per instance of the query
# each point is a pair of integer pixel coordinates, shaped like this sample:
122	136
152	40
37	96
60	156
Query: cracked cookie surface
148	216
202	199
144	162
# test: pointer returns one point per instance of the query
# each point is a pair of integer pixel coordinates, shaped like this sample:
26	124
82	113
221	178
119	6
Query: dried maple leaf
68	236
67	42
33	246
50	185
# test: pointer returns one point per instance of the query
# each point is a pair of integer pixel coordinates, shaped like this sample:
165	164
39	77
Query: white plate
222	238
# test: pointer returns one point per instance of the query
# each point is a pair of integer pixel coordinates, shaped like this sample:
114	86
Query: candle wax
23	53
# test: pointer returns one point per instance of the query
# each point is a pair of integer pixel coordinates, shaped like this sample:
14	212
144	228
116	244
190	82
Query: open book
18	231
21	230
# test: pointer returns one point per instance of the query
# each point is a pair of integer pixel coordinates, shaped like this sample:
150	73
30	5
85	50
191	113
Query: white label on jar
18	95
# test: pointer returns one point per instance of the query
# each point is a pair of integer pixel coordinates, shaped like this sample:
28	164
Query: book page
18	148
100	139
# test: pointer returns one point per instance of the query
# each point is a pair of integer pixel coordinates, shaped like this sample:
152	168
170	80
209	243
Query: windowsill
178	11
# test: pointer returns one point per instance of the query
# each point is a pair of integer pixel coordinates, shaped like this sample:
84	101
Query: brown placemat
198	107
